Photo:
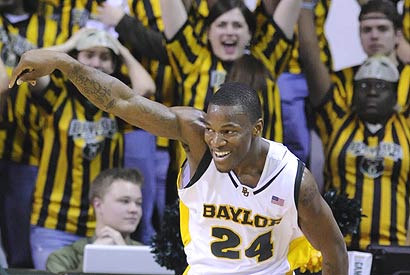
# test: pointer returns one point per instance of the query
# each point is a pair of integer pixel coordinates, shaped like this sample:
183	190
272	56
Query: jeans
44	241
162	160
296	133
139	153
16	188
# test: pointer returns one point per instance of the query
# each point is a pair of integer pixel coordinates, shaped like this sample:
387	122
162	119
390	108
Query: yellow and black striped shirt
71	15
79	142
149	13
20	138
374	168
271	111
200	73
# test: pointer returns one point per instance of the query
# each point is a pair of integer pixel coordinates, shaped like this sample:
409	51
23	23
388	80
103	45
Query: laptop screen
121	259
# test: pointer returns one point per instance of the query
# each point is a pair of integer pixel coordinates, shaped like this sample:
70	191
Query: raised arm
320	228
111	95
141	40
286	15
174	16
316	72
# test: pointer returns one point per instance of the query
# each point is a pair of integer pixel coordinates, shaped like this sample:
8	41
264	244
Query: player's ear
258	127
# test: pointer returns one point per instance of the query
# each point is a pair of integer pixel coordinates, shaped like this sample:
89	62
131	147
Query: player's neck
250	170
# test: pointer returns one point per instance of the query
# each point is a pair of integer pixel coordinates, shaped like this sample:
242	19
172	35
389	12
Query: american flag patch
277	201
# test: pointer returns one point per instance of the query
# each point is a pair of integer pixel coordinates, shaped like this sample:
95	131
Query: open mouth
229	47
221	154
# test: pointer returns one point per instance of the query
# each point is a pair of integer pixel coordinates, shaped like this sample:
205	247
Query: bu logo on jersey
245	191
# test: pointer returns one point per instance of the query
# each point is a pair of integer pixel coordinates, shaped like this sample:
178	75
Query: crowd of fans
55	144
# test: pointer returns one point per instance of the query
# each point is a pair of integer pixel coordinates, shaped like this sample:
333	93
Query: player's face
378	36
374	99
120	208
229	34
99	58
229	136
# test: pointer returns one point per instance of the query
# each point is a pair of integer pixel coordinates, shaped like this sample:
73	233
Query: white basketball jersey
230	228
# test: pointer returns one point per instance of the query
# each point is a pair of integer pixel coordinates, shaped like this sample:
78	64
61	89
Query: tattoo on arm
100	95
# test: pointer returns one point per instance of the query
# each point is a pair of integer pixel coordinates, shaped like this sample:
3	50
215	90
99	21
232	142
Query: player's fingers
18	73
27	76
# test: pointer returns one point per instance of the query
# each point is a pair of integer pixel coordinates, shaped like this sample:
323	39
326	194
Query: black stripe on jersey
65	202
298	181
269	182
27	142
149	12
395	179
210	90
321	112
203	165
84	205
134	7
276	38
86	178
377	198
159	82
51	174
194	89
181	37
23	26
282	62
338	110
71	19
89	6
41	31
341	163
358	192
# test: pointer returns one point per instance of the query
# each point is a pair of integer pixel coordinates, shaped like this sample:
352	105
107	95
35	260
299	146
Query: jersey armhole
203	165
298	181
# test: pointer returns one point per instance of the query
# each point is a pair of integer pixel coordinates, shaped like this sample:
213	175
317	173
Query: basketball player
246	202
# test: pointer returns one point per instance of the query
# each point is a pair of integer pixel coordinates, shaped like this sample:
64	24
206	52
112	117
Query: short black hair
239	94
385	7
222	6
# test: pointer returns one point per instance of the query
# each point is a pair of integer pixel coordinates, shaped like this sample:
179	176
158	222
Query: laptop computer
121	259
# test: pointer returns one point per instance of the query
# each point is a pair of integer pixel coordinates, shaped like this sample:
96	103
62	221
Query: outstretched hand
33	65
